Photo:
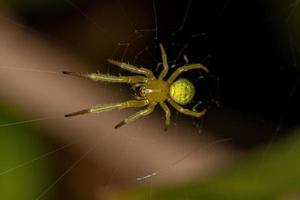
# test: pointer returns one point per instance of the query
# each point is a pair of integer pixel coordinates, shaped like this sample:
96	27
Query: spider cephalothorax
150	90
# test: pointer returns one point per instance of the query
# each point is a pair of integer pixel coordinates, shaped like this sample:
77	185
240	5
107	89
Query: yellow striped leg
165	62
132	68
186	111
184	69
109	78
98	109
167	113
138	115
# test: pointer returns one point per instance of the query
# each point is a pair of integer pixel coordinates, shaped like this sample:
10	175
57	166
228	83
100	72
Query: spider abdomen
182	91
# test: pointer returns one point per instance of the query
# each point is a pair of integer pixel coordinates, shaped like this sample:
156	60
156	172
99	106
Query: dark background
252	93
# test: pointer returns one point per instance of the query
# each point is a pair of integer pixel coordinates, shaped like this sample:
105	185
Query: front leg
186	111
184	69
164	61
98	109
109	78
167	114
138	115
132	68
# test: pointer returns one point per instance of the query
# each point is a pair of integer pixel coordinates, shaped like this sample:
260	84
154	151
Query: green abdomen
182	91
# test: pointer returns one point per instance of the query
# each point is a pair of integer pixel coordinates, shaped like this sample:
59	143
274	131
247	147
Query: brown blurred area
100	159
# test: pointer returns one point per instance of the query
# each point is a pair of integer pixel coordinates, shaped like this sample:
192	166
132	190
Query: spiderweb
253	84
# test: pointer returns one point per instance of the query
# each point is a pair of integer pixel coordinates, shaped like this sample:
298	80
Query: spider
150	90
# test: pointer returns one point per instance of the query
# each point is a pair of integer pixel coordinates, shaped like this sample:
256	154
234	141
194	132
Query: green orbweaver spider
150	90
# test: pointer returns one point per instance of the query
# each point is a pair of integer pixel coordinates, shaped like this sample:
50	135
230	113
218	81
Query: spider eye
182	91
142	91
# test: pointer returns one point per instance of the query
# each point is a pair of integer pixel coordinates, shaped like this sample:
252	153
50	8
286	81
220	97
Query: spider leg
184	69
132	68
137	115
167	114
109	78
186	111
98	109
165	62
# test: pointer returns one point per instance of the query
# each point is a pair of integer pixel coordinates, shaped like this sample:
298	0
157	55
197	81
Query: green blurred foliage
21	176
267	174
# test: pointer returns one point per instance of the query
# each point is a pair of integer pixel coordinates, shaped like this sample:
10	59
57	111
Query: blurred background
246	147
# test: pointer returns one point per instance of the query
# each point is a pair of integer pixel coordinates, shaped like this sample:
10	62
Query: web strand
184	19
155	19
67	171
184	157
46	155
27	121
